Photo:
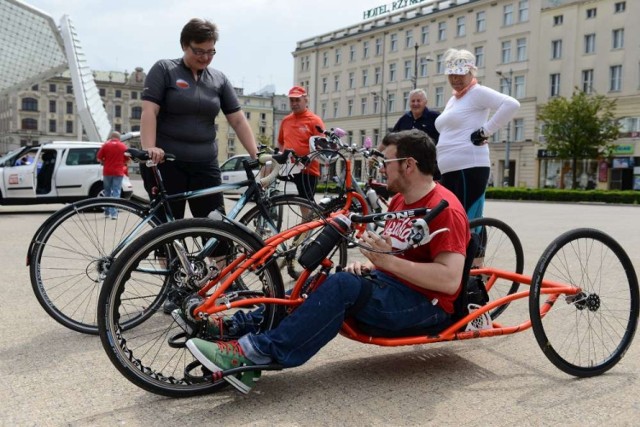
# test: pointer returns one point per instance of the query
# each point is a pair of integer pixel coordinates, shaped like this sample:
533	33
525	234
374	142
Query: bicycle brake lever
420	235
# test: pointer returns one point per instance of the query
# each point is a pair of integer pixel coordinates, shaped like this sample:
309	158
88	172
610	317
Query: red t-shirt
111	154
295	131
455	240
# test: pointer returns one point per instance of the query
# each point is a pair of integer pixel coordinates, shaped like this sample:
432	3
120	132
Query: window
350	107
405	100
69	126
615	78
394	42
391	102
554	85
29	124
52	106
617	37
376	136
507	15
136	113
378	46
521	49
439	64
589	43
338	55
352	80
557	20
69	107
408	73
82	156
323	109
439	97
118	127
29	104
587	81
505	85
69	89
103	92
556	49
591	13
506	52
377	75
481	21
325	59
118	93
363	106
336	108
442	31
336	83
324	85
479	53
408	39
523	11
365	49
135	128
376	104
352	53
365	77
53	87
619	7
34	88
134	94
519	87
392	72
518	129
118	111
461	29
424	70
52	125
424	35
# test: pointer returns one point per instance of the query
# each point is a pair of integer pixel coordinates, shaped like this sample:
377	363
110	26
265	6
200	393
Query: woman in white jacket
464	126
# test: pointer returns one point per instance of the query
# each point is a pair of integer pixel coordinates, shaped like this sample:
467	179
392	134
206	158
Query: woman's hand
156	154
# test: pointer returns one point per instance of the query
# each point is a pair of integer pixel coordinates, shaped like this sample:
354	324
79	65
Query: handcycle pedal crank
217	376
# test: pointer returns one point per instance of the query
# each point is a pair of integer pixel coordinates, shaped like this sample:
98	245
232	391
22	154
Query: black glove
478	137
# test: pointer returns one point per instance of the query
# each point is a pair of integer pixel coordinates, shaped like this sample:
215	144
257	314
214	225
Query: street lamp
415	65
508	81
384	104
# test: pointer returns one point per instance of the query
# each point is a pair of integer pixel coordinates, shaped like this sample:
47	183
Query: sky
257	37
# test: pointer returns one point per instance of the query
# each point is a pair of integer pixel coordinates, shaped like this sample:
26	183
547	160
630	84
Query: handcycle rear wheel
152	353
499	248
72	253
584	334
289	209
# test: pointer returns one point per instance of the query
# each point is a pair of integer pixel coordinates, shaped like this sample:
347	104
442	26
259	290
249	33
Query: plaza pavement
53	376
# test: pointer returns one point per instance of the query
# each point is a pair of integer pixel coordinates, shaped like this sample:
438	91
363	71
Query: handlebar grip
282	157
376	153
436	211
143	155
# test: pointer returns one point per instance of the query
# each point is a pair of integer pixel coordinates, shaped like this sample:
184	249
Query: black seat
460	305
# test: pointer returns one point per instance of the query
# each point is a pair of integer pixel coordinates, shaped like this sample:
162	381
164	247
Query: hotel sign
391	7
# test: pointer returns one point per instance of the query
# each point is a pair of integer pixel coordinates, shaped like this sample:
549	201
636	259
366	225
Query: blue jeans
112	186
392	306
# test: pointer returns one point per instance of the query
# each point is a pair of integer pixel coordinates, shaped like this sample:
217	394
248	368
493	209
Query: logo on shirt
182	84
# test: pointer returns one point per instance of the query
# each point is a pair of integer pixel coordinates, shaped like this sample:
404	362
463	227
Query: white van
54	172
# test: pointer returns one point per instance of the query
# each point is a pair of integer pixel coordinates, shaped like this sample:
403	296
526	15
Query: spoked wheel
292	212
152	353
499	248
72	254
587	332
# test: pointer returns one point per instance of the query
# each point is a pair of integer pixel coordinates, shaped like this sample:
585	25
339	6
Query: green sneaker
213	328
222	355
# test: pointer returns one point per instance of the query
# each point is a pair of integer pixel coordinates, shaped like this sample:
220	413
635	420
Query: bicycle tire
288	207
70	256
500	248
152	354
588	333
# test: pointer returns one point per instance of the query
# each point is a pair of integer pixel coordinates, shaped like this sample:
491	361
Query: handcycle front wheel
72	253
499	248
152	353
585	333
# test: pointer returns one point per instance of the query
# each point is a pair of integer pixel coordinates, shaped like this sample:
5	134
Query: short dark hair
199	31
414	143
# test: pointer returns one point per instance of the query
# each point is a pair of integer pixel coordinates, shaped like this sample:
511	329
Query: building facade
359	77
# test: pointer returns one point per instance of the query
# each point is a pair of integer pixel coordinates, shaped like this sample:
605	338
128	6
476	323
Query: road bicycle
72	251
583	298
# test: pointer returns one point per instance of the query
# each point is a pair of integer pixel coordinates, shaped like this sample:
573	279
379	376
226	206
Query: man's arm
240	125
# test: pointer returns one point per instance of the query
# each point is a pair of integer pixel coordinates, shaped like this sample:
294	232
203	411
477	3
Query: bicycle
71	252
584	275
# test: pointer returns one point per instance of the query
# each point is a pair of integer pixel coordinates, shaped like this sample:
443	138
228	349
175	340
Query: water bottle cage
419	234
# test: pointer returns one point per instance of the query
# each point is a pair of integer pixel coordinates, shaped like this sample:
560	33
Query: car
233	171
53	172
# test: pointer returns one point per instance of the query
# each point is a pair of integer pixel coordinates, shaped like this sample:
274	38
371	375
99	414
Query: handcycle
71	252
583	300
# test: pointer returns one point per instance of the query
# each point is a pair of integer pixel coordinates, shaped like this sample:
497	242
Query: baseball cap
297	92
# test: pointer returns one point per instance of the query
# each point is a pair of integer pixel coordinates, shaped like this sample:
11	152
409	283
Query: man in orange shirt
295	131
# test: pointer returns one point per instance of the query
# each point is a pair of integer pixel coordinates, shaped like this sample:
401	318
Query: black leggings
469	186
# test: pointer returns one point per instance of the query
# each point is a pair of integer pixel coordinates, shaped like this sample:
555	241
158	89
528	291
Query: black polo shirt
425	123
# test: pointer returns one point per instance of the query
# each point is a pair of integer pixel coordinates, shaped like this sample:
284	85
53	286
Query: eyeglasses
202	52
385	161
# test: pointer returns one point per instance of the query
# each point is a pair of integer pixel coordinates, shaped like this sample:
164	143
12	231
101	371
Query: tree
582	127
264	139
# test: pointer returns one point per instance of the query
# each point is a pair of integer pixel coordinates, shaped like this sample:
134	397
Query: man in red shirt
113	160
295	131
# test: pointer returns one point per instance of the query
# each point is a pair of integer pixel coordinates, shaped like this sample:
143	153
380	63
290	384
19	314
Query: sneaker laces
230	347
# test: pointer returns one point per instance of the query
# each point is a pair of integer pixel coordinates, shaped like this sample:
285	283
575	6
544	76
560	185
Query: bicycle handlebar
427	214
143	155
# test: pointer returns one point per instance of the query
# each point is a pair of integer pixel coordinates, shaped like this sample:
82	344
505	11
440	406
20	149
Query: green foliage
583	127
556	195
